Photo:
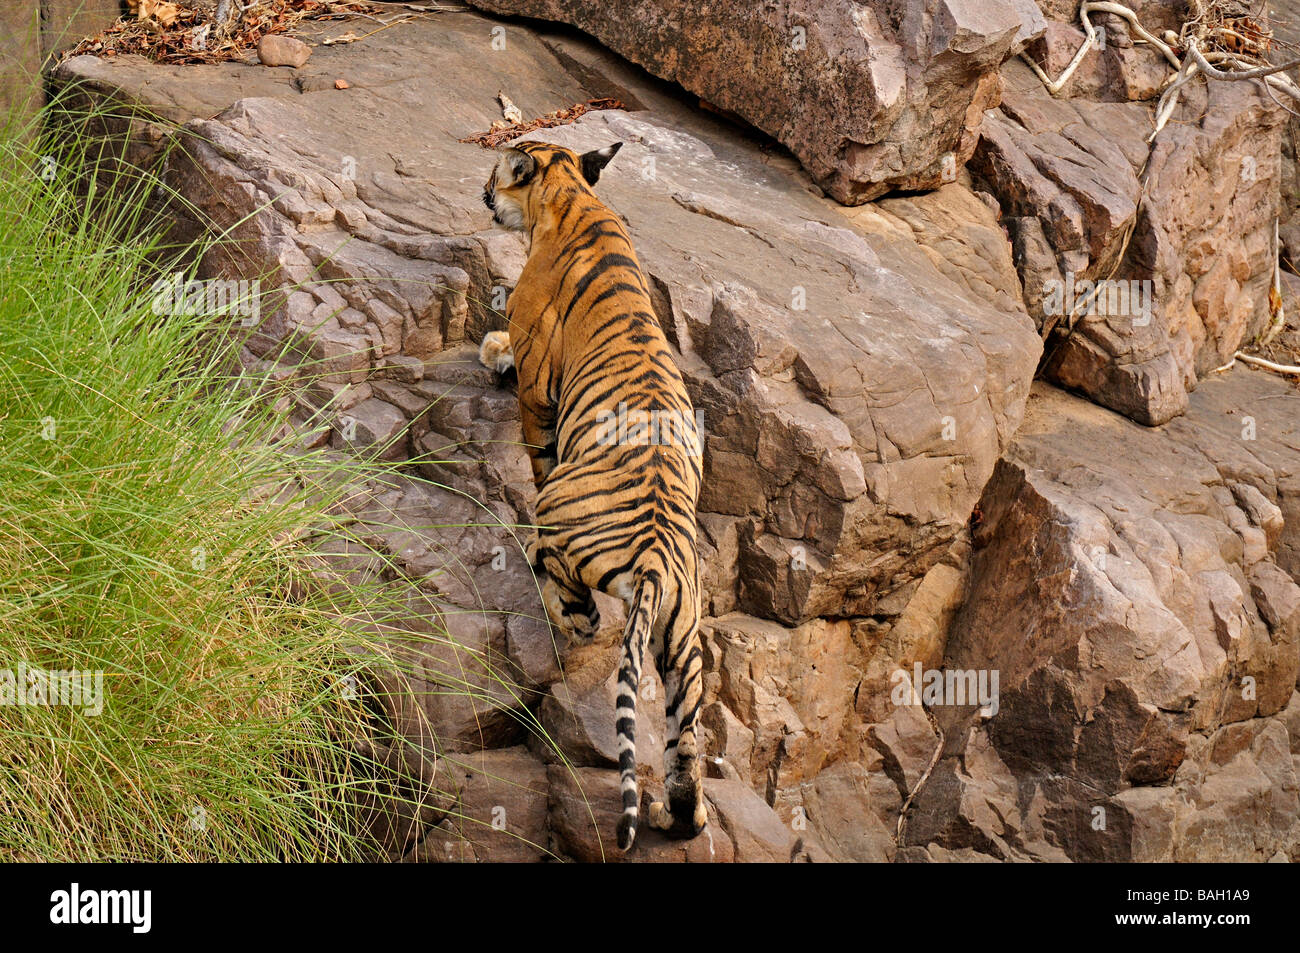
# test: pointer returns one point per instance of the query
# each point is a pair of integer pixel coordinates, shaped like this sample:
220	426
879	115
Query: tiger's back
614	447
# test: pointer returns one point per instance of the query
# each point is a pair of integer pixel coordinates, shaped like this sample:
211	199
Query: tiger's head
529	174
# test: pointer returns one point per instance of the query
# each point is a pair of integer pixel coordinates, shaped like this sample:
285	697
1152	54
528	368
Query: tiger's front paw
496	353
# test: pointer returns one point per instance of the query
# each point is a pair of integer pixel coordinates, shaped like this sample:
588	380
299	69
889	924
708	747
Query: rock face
945	621
1182	233
832	475
1146	635
869	96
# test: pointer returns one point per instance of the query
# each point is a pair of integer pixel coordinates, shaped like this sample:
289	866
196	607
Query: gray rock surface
1189	220
877	497
869	96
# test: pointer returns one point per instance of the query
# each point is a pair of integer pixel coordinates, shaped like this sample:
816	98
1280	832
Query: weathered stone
967	805
373	426
578	715
756	831
868	97
843	808
906	742
1187	280
1149	619
584	809
276	49
499	814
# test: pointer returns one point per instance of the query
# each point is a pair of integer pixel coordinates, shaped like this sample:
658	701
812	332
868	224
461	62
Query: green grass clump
152	530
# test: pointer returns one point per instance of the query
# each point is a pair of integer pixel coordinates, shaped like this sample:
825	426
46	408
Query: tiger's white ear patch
495	352
596	160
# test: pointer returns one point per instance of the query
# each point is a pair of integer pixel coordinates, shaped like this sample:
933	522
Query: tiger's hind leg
682	669
568	601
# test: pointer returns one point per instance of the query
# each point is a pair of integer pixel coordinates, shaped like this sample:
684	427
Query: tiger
615	513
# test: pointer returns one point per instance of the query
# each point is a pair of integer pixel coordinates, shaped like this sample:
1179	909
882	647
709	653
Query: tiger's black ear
517	168
597	159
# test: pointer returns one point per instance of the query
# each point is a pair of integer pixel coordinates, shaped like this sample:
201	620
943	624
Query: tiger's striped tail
644	611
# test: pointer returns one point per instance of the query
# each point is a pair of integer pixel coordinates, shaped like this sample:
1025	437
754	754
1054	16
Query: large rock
499	815
1182	230
1125	587
1284	18
870	96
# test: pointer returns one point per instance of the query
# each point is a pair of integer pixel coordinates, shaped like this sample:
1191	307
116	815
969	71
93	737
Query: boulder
1181	234
278	50
758	835
1132	606
500	813
585	806
869	96
850	812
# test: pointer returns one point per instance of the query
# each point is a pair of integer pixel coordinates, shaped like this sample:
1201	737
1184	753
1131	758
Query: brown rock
585	806
867	98
1197	263
500	812
1149	619
848	812
373	426
276	49
756	831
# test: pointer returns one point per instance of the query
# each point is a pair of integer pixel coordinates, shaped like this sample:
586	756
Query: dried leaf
163	12
167	32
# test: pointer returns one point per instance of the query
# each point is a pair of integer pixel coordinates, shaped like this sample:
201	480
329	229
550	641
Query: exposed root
934	760
1206	39
1267	365
1055	87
